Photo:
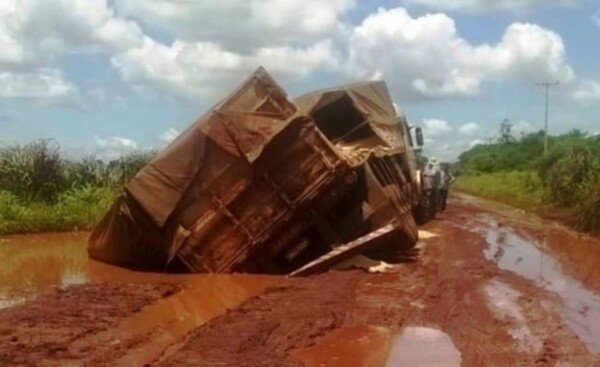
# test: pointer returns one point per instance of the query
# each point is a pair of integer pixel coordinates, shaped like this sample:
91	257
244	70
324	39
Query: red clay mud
42	331
464	288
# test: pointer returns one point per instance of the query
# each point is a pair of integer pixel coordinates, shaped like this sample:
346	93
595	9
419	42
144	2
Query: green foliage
82	207
12	213
508	156
568	177
586	215
519	188
40	191
32	171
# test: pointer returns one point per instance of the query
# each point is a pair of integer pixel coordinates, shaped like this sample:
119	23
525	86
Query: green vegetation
519	188
40	191
517	172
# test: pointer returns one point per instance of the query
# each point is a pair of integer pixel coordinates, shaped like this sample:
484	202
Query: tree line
40	190
566	177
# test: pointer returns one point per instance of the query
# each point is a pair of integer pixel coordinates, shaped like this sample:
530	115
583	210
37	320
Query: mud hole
475	296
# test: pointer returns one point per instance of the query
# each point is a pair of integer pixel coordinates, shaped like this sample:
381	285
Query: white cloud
65	24
115	142
435	127
527	52
169	135
476	142
114	147
523	127
587	92
214	45
596	18
470	129
204	69
34	33
426	58
43	83
488	5
242	25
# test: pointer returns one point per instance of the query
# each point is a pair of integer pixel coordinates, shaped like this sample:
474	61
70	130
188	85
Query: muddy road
487	286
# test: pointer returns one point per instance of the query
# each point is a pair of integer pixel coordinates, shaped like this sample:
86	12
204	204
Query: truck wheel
425	211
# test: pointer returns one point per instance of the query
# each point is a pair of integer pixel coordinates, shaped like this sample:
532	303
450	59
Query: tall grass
568	178
40	191
519	188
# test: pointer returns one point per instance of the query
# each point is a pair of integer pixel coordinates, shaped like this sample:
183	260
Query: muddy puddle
537	261
36	262
423	347
503	300
373	346
360	346
32	263
164	324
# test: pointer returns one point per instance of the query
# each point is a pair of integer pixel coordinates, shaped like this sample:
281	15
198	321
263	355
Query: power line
547	86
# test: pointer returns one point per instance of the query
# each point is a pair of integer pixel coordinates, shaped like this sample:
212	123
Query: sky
108	77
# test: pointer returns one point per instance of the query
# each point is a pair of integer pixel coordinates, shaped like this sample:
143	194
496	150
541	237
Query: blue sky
109	77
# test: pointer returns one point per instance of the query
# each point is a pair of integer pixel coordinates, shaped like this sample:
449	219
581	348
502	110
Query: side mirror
419	136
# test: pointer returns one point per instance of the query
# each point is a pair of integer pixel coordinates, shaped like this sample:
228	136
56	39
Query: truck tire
425	211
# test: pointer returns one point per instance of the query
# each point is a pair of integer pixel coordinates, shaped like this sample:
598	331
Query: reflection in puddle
31	263
580	308
35	262
423	347
204	297
361	346
371	346
503	301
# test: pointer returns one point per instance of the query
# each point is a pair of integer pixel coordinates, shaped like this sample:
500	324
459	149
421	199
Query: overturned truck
263	184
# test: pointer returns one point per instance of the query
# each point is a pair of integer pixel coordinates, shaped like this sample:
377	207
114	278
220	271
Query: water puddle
528	257
361	346
169	320
36	262
372	346
503	301
423	347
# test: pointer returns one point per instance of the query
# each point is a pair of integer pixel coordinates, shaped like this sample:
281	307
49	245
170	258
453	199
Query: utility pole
547	86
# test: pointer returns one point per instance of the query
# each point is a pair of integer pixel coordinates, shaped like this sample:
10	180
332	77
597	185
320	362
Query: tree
506	135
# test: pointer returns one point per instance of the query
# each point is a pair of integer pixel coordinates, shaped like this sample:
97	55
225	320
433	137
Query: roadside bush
81	208
568	178
13	215
33	171
520	188
586	215
40	191
517	172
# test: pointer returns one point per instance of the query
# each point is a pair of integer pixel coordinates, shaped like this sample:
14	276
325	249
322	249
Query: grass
563	184
40	191
521	189
76	209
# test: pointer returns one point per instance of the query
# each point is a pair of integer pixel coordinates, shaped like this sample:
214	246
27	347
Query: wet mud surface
488	286
46	331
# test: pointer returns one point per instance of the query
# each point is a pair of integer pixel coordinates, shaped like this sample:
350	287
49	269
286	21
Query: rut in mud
488	286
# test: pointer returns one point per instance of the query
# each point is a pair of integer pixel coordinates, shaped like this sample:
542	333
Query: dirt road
488	286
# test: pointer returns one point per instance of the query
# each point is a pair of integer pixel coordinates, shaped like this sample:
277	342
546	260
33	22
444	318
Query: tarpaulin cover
371	99
240	126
